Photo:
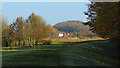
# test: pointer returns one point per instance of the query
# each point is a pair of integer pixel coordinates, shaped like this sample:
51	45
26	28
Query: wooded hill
69	26
73	26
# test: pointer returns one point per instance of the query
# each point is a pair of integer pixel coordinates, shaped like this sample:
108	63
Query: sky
52	12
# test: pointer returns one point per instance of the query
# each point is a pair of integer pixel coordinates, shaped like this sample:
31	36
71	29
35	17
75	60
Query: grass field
80	53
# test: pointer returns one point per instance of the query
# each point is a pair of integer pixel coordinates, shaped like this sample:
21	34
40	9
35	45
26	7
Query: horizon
51	12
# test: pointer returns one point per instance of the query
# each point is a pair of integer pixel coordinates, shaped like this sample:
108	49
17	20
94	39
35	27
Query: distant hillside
71	26
76	28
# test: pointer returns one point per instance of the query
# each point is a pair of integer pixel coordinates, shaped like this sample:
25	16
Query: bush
47	42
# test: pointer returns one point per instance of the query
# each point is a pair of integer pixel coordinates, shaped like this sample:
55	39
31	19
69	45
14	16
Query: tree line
104	19
26	32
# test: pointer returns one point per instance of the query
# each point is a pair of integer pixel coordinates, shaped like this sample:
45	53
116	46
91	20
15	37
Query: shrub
47	42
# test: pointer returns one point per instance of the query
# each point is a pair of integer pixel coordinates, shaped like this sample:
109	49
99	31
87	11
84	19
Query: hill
70	26
77	28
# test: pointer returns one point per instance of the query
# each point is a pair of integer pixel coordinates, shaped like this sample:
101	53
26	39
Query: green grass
55	42
85	53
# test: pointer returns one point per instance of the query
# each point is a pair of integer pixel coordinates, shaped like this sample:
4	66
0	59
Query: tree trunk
24	43
36	42
6	44
19	43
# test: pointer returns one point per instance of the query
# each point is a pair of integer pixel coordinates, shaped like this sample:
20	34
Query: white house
60	35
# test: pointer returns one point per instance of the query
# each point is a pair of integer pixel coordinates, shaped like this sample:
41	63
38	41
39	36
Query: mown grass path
88	53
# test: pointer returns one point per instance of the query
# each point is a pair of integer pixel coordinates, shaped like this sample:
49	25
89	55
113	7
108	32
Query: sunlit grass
62	40
43	49
10	50
77	53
